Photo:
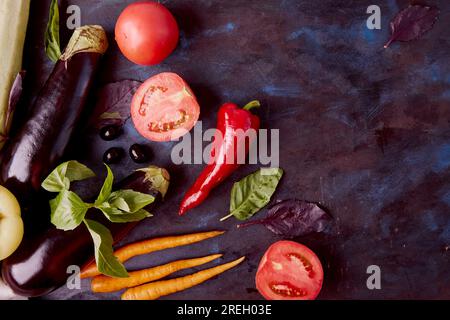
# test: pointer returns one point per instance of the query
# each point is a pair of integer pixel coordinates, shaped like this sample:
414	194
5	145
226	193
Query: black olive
113	155
111	132
138	153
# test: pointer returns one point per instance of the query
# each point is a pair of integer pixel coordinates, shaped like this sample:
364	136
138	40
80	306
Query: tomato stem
251	105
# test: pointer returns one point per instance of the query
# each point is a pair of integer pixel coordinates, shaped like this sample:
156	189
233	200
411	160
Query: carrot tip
240	259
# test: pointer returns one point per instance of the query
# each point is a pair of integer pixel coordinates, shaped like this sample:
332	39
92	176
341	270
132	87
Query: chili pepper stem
251	105
226	217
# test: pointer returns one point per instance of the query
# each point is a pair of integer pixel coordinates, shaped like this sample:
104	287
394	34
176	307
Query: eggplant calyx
90	38
158	177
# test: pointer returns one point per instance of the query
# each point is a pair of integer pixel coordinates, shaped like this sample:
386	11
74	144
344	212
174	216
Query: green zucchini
13	28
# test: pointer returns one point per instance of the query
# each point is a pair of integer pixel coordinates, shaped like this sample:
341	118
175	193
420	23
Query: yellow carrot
154	290
107	284
151	245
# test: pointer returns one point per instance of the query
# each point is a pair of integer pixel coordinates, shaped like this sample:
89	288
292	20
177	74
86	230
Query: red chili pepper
231	123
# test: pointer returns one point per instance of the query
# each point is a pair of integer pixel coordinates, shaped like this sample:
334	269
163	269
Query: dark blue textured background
364	131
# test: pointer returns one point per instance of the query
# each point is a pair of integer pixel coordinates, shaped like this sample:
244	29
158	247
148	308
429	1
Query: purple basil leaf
14	97
113	103
412	22
293	218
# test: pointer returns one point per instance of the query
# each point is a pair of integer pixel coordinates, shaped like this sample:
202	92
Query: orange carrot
154	290
151	245
107	284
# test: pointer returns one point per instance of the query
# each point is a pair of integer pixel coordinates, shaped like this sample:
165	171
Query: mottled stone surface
364	131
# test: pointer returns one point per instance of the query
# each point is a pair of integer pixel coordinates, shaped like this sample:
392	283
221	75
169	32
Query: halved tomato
289	271
164	108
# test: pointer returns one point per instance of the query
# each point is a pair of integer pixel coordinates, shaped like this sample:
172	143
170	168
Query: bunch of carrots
142	284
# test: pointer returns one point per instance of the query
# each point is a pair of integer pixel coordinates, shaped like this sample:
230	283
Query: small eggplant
40	264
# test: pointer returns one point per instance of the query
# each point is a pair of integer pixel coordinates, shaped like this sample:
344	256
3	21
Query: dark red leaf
412	22
293	218
113	103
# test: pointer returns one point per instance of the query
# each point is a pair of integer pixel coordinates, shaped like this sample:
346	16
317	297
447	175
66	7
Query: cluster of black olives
138	153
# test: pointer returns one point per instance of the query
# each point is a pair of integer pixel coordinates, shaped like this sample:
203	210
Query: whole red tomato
146	32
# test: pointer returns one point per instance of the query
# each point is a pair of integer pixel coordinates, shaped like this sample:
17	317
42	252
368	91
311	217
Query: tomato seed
286	289
305	262
168	126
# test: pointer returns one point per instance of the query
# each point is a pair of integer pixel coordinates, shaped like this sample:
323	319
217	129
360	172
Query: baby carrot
107	284
154	290
151	245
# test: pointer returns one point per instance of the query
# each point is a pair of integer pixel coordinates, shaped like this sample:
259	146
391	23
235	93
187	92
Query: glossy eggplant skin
40	264
43	140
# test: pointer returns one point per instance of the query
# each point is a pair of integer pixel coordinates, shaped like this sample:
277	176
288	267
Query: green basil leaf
56	182
252	193
118	216
134	200
52	42
67	210
107	262
121	204
77	171
106	189
61	177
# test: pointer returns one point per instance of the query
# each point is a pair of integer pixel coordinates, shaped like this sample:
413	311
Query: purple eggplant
40	264
42	141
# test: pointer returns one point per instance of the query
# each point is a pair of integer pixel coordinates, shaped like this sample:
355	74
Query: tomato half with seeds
164	108
289	271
